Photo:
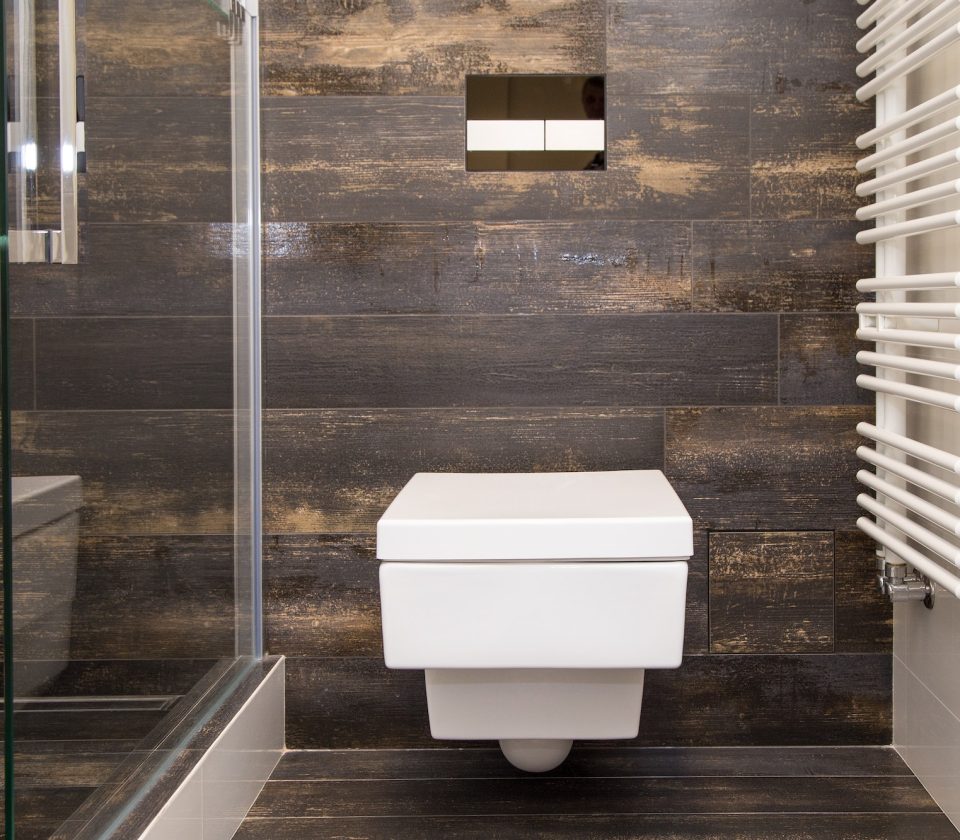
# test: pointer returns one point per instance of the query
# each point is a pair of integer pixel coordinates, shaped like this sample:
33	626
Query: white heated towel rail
913	168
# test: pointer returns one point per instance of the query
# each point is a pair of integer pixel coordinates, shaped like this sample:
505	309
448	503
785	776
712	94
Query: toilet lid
624	514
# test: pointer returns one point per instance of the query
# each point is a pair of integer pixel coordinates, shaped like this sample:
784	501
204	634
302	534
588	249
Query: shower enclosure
131	395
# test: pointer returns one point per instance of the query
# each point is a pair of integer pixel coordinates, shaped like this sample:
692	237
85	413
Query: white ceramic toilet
534	602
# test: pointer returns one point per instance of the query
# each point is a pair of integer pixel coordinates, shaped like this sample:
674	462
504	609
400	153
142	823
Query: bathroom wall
926	697
689	310
123	366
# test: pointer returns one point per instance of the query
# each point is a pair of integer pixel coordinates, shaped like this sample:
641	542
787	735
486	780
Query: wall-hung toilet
534	602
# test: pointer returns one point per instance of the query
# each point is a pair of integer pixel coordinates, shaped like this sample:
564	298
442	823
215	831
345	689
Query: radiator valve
894	581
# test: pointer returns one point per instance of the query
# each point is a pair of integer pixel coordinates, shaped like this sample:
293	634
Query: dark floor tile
65	768
633	827
587	761
587	796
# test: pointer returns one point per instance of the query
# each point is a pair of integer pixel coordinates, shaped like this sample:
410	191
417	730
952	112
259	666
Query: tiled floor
53	778
603	793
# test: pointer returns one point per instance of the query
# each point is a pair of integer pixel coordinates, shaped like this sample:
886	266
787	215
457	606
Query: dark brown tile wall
688	309
771	592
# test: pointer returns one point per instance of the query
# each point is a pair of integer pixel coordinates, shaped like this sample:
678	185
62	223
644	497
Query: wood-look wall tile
779	266
803	155
864	616
136	269
779	700
696	630
94	724
166	597
372	158
675	157
134	363
354	702
121	677
473	267
745	46
766	468
549	360
158	159
143	472
788	699
321	595
424	46
771	592
336	471
22	364
818	364
73	764
36	806
167	48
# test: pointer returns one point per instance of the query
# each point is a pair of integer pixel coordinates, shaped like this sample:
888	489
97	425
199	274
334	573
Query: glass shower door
133	418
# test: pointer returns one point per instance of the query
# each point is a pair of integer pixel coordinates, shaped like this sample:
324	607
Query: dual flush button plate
535	123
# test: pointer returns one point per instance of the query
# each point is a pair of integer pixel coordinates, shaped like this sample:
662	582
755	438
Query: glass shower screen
132	303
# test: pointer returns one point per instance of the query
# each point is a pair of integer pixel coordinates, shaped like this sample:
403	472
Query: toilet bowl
534	603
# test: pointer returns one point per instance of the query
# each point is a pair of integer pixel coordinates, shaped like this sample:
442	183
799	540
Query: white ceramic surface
927	736
504	135
212	801
533	615
926	641
535	755
575	135
626	514
481	704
